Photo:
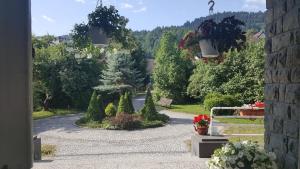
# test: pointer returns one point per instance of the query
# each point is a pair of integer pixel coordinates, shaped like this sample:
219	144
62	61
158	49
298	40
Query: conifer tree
149	111
121	105
95	110
128	98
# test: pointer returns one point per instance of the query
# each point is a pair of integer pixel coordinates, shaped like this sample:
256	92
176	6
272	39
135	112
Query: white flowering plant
242	155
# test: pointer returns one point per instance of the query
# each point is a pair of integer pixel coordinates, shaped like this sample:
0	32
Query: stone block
269	4
37	149
290	20
282	89
204	146
280	109
281	58
280	8
277	125
268	108
283	76
294	111
295	75
276	142
293	56
268	45
271	92
269	17
292	94
281	41
268	76
291	128
279	25
293	147
290	162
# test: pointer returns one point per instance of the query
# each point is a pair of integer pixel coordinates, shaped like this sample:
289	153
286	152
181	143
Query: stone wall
282	78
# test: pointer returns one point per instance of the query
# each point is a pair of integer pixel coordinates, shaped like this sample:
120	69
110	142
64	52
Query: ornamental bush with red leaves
201	120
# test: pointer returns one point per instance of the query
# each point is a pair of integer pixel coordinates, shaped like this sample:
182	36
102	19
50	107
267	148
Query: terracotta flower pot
207	49
252	112
202	130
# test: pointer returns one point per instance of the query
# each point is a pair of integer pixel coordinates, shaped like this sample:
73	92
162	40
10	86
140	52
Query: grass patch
240	121
249	129
54	112
48	150
42	114
190	109
258	139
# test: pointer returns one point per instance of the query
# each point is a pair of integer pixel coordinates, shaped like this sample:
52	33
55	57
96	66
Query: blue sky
57	17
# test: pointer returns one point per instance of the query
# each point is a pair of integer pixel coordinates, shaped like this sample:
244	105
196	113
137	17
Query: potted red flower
201	124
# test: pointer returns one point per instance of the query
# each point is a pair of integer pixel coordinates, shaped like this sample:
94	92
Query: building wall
15	85
282	78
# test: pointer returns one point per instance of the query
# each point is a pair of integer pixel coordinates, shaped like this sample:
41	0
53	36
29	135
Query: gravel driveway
79	148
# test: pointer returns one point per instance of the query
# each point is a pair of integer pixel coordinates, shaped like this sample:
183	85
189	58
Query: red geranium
201	121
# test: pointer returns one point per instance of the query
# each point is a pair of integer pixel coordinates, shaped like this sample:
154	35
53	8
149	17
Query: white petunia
241	164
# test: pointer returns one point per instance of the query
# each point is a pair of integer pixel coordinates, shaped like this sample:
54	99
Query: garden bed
124	123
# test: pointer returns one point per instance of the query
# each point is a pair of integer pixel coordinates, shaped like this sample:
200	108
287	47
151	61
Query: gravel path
77	148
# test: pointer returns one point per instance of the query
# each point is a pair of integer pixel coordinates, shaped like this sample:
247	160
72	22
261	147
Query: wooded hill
150	39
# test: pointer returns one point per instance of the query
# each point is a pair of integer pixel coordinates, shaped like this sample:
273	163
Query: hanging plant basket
207	49
98	36
215	38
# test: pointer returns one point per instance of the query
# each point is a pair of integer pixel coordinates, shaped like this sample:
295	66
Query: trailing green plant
149	111
110	110
95	110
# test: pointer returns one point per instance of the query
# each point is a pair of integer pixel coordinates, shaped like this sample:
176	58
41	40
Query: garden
217	65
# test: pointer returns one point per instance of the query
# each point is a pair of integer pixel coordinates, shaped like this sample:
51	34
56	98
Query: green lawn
240	121
248	129
190	108
258	139
55	112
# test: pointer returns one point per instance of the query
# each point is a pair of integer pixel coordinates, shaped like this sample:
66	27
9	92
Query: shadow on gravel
60	123
175	121
122	153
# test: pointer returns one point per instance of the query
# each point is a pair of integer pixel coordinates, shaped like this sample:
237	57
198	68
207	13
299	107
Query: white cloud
254	5
47	18
143	9
81	1
126	6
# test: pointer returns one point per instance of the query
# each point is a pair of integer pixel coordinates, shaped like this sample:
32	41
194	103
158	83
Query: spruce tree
95	110
121	70
149	111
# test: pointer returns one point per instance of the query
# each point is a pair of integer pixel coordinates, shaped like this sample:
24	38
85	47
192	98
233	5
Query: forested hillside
150	39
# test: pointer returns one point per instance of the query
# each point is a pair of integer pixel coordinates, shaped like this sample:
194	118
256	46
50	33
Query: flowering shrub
244	155
201	121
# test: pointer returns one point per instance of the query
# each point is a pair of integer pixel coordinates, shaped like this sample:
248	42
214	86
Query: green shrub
122	105
149	111
110	110
95	110
219	100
